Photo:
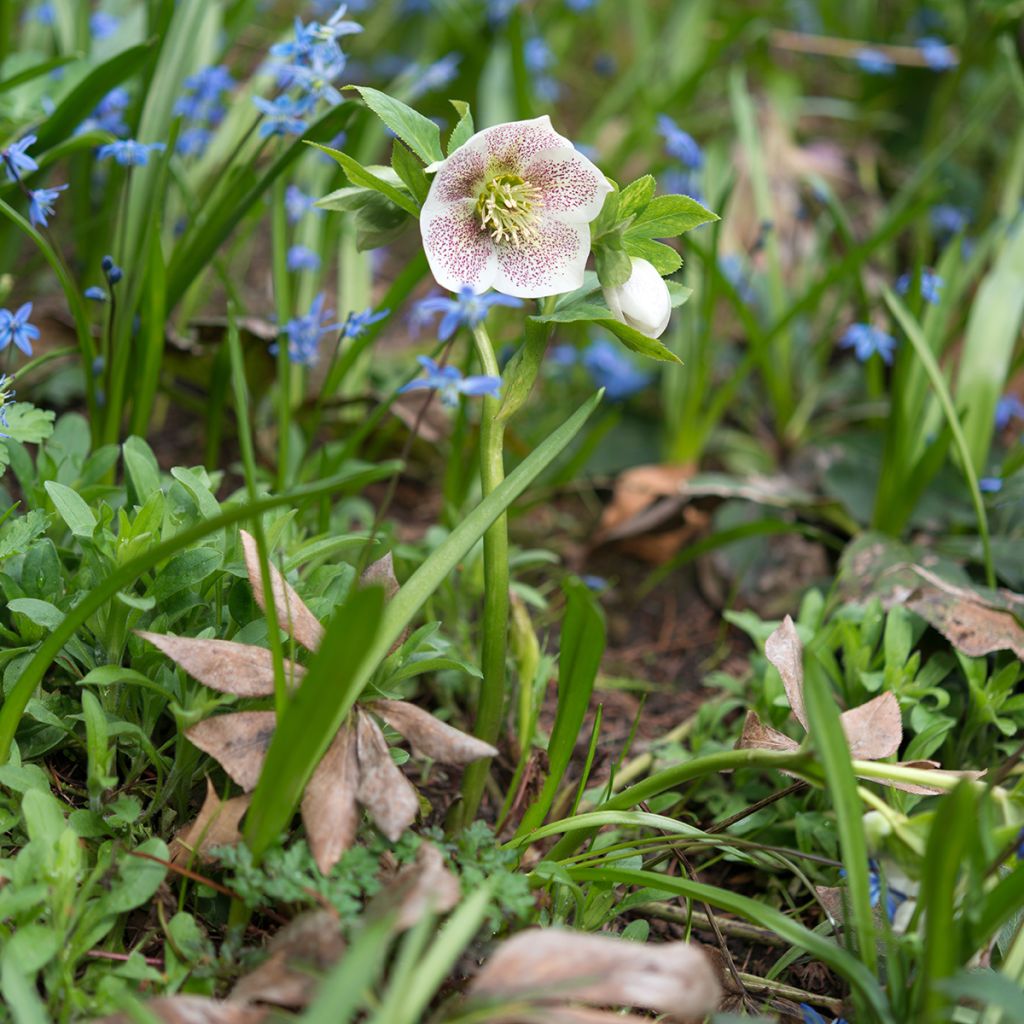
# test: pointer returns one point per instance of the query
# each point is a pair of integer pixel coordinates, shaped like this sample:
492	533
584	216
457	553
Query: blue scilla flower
109	114
537	55
467	309
1008	409
811	1016
95	293
736	273
301	257
193	141
16	159
14	327
102	25
315	79
297	204
937	55
449	382
357	323
610	368
281	116
579	6
111	271
304	333
867	341
874	62
129	153
679	144
44	14
40	205
435	76
931	286
563	356
948	220
990	484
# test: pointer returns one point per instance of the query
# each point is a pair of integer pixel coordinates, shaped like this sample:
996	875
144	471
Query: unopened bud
643	302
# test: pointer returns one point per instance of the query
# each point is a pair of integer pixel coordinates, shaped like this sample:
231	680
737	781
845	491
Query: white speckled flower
510	210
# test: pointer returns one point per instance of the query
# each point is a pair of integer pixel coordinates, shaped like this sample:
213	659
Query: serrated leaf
17	534
409	169
27	424
360	175
614	266
71	507
592	312
663	258
464	130
633	199
669	216
419	133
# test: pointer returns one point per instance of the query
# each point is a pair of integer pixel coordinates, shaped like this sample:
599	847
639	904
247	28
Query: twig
763	986
831	46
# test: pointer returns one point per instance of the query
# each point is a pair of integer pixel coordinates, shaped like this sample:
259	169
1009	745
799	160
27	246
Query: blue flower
990	484
315	79
563	356
611	369
811	1016
304	333
41	204
595	583
356	323
44	14
129	153
579	6
449	382
937	55
948	220
109	114
467	309
679	144
14	327
201	101
867	341
537	55
873	62
435	76
736	274
301	257
111	270
297	204
102	25
280	117
931	285
193	141
16	159
1008	408
95	293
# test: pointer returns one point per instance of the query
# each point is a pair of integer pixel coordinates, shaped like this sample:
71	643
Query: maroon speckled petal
458	251
512	146
550	265
572	188
461	176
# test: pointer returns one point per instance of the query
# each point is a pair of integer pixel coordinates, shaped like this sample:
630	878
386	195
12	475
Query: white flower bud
643	302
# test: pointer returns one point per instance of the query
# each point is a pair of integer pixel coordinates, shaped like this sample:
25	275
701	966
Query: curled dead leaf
215	825
329	809
238	742
429	735
301	952
383	790
423	887
784	650
758	736
968	624
292	612
381	573
558	965
241	669
192	1010
874	730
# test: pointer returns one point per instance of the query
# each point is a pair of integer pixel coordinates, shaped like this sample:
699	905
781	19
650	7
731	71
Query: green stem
282	297
494	640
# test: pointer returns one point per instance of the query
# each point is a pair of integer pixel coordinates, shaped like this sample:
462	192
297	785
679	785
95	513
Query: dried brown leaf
215	825
238	741
429	735
636	489
425	886
874	730
381	573
241	669
301	952
292	612
558	965
969	625
931	766
329	809
383	790
784	650
758	736
192	1010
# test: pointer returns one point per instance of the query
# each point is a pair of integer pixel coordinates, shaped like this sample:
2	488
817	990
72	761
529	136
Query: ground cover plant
511	511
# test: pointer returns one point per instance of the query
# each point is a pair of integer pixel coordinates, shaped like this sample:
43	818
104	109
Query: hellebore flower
449	382
14	327
510	210
643	302
466	310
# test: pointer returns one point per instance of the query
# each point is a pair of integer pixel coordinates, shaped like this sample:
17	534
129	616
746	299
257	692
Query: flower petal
511	147
458	252
572	188
551	264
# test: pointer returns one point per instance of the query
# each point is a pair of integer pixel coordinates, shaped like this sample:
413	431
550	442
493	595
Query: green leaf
591	312
41	613
359	175
669	216
185	570
141	468
71	507
614	267
664	258
27	424
408	168
522	369
419	133
634	198
139	878
464	130
17	534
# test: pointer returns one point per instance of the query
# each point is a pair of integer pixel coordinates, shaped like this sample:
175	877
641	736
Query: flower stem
494	640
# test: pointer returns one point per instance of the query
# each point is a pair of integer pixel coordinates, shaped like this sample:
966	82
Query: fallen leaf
383	790
382	573
557	965
874	730
784	650
969	625
238	742
298	955
429	735
241	669
192	1010
758	736
423	887
215	825
329	809
292	612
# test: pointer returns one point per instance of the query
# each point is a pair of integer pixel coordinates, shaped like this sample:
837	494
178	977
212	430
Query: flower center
507	208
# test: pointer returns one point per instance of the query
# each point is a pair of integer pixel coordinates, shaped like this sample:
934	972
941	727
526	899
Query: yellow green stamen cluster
507	208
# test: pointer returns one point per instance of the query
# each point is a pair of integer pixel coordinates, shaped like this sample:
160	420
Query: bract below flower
510	210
